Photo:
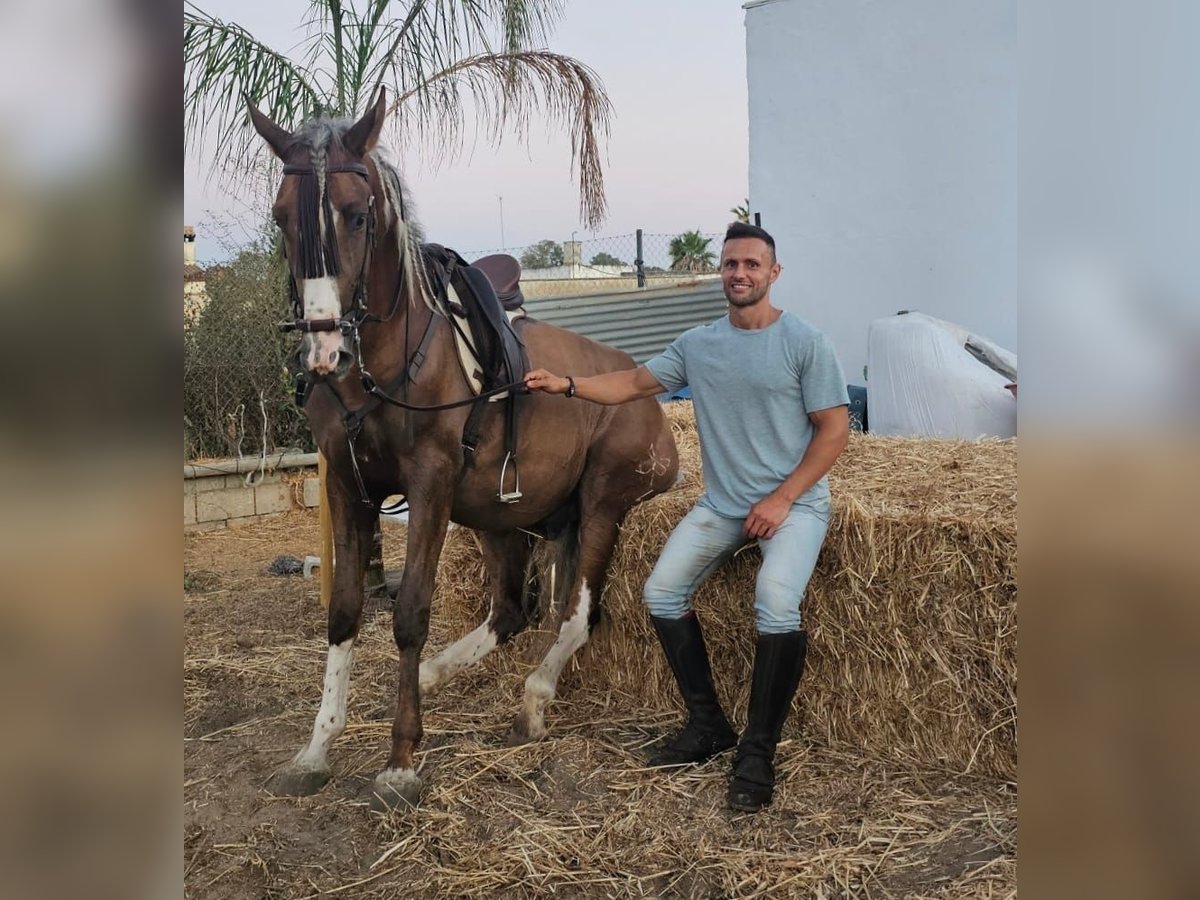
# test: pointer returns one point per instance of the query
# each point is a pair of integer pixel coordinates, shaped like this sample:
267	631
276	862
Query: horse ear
362	136
278	139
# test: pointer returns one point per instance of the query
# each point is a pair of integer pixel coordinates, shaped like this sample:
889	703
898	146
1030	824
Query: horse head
326	211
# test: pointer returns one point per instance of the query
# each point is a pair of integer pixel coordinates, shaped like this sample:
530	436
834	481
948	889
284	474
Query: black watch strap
570	386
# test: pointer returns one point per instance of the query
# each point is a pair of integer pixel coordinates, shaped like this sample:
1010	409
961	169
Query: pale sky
676	156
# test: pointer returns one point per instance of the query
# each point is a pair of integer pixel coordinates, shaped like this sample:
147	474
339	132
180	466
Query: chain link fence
238	392
684	253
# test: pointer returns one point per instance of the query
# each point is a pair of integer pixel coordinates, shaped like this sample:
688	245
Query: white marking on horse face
320	296
331	719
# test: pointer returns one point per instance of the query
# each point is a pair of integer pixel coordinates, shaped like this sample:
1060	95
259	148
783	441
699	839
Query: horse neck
389	345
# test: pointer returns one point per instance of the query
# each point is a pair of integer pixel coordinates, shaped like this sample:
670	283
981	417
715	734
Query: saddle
484	300
504	272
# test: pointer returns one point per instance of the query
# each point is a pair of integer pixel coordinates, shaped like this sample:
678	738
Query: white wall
883	159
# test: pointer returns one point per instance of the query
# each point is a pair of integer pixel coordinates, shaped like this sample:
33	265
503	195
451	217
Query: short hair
746	230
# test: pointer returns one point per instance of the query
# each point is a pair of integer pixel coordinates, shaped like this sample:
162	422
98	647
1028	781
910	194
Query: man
772	415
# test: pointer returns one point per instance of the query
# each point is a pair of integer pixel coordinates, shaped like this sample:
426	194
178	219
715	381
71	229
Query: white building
883	159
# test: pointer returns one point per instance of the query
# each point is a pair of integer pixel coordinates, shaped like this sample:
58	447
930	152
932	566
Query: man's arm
609	389
831	433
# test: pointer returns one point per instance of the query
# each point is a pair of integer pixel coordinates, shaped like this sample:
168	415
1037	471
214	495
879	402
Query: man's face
748	269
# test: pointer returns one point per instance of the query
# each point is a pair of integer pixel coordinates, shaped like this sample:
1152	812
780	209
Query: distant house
195	293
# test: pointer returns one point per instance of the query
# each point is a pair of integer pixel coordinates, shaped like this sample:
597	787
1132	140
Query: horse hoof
522	733
298	782
395	789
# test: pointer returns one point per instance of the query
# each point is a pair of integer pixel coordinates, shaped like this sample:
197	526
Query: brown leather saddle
487	291
504	272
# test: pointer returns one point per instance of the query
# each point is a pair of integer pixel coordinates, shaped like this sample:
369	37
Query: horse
362	290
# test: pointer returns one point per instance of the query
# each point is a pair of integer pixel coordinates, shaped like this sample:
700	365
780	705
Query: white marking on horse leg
466	651
321	302
540	686
331	719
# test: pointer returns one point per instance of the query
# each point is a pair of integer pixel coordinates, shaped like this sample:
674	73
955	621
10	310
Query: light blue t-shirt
753	391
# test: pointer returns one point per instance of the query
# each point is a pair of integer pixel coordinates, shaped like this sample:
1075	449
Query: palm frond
435	56
506	90
527	25
222	61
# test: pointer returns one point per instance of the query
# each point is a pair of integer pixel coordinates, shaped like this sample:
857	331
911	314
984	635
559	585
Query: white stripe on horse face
321	301
331	719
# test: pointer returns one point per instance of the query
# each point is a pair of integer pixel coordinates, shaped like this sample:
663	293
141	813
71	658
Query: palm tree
689	253
742	213
432	55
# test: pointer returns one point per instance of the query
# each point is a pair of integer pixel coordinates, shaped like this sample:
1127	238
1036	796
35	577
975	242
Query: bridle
319	259
312	250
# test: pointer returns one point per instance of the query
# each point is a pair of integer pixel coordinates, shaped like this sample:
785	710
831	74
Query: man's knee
777	608
664	598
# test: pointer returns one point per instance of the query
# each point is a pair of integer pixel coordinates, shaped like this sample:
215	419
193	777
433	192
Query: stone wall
235	492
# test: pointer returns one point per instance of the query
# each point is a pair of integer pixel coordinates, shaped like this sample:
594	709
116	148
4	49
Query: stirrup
515	494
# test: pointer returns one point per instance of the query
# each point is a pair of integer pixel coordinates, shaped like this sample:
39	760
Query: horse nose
342	364
324	353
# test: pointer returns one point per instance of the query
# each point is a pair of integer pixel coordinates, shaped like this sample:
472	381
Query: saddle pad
464	341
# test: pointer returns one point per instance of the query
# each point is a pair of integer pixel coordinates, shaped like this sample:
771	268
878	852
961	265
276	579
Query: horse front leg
428	517
353	527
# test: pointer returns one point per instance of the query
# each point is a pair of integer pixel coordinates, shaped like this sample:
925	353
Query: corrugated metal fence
640	322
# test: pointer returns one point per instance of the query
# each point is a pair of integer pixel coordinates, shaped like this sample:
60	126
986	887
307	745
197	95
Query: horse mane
323	135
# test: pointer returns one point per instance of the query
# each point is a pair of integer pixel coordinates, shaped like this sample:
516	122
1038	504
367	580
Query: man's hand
541	380
766	516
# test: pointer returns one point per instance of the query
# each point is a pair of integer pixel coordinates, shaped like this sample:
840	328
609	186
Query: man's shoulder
799	332
705	330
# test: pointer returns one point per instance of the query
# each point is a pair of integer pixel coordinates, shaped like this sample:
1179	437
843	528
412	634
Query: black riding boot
707	731
778	665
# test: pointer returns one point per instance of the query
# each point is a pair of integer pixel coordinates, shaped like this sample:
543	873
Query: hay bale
911	611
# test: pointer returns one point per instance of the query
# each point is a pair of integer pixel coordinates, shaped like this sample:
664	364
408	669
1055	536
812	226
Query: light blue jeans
704	540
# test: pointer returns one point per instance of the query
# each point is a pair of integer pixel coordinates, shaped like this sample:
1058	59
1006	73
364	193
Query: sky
676	158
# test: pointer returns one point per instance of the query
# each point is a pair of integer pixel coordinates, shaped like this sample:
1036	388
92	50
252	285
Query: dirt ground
576	815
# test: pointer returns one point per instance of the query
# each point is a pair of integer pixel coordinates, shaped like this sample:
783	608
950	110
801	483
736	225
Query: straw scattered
897	774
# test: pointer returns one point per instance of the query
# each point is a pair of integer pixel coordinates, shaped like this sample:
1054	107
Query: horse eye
357	221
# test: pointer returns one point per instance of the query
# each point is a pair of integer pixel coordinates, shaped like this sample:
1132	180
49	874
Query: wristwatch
570	386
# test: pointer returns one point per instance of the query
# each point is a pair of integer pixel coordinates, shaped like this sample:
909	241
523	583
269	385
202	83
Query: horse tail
554	563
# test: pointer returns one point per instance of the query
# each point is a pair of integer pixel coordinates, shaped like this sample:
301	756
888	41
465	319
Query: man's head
748	264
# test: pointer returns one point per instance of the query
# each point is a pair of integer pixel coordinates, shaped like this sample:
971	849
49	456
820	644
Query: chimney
189	245
573	256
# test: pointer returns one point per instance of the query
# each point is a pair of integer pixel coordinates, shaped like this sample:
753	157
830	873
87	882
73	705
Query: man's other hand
766	516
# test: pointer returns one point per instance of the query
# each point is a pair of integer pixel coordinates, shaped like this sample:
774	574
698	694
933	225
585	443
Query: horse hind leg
597	540
507	558
309	770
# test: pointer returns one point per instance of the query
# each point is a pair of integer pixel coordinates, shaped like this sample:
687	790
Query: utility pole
501	199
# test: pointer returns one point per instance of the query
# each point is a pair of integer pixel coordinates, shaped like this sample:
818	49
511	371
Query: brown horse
362	295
